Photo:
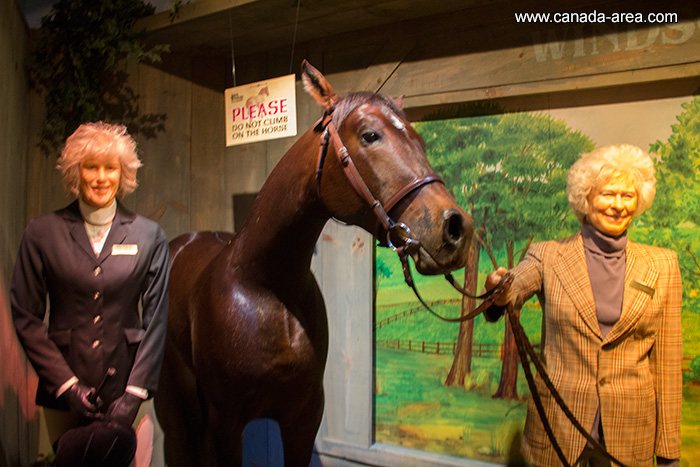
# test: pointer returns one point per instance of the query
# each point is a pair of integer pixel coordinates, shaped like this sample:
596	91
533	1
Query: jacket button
95	343
97	271
97	319
96	296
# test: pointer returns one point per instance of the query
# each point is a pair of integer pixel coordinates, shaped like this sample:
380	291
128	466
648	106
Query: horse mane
352	101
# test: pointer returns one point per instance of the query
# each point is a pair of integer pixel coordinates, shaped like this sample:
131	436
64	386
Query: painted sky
640	123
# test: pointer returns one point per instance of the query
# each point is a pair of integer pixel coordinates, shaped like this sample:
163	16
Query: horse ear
318	87
399	101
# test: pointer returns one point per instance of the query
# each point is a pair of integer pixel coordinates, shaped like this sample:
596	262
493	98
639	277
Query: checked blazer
106	311
634	373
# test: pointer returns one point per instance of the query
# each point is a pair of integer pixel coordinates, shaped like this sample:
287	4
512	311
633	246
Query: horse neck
279	237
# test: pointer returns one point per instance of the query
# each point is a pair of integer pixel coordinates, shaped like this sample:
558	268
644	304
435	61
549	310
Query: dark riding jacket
104	311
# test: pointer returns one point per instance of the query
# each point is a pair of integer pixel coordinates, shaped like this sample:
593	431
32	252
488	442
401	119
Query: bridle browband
398	237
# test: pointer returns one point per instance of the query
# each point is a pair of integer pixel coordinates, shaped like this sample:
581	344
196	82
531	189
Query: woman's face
611	205
99	180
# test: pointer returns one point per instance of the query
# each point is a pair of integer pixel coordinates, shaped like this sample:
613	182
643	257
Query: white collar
97	216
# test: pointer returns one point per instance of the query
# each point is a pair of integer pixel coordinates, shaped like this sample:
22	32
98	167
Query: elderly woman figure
611	322
104	271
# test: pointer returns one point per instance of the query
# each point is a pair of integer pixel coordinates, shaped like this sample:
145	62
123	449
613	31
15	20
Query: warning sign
261	111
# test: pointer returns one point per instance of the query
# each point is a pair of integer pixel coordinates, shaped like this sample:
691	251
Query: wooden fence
410	311
685	366
479	350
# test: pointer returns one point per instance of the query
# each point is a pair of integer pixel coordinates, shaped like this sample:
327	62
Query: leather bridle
398	235
399	238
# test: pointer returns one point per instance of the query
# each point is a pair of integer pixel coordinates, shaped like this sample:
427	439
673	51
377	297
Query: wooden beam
385	64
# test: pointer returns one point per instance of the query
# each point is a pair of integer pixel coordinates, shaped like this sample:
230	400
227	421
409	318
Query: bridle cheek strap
353	176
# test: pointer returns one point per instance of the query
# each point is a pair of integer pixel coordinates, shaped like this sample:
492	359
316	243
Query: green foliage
78	65
382	269
175	6
695	368
508	170
45	461
678	186
672	221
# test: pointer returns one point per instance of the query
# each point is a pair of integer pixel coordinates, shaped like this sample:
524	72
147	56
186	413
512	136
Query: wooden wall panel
208	209
164	179
14	120
344	273
19	416
519	71
246	167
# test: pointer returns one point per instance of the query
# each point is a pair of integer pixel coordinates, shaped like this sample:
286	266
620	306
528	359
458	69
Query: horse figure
247	331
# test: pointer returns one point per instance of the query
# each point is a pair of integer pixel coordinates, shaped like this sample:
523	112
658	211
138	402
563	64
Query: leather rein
399	238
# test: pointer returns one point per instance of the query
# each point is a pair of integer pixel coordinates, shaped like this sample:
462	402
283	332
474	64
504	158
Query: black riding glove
123	410
78	397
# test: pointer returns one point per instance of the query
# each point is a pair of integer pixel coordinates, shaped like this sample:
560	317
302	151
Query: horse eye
370	137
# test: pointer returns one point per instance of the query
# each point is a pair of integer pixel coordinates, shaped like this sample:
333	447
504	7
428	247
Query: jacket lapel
72	216
118	232
640	281
570	268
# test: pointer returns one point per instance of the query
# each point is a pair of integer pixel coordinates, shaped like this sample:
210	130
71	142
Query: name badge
125	249
643	288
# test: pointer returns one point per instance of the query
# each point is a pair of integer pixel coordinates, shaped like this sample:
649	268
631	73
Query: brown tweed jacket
634	373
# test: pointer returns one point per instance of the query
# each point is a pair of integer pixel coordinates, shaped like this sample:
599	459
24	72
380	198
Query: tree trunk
462	363
508	386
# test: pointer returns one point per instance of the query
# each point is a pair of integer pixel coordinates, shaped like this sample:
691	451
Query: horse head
373	172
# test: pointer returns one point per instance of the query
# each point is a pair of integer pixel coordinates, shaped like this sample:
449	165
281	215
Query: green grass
415	410
413	407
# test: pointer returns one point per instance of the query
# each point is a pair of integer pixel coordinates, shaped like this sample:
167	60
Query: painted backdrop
458	390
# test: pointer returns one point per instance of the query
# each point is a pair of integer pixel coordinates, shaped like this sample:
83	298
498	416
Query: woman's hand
79	398
492	281
124	409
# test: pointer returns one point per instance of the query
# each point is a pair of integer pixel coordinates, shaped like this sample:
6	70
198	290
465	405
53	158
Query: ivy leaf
78	66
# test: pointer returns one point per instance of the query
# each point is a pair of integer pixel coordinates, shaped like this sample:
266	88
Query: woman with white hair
611	323
103	272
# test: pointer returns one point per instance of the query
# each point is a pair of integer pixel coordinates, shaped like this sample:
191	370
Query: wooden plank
384	66
346	282
246	168
383	454
164	179
14	120
570	57
207	25
24	173
208	208
423	104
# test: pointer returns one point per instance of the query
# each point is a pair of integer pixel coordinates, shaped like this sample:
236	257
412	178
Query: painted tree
453	146
509	170
674	217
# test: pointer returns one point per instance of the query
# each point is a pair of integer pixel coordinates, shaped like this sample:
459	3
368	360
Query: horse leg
299	434
224	439
177	408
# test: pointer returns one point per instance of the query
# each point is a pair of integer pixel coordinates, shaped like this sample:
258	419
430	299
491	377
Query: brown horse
248	332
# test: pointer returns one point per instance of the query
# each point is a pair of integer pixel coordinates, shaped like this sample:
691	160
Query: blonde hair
99	139
604	164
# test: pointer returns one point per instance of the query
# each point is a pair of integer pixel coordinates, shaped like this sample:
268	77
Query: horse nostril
454	226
